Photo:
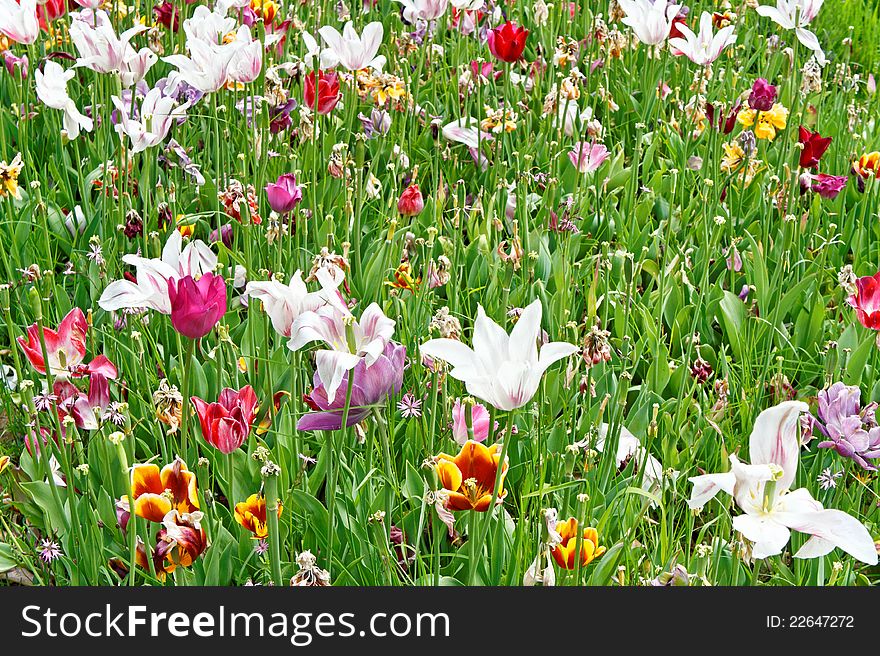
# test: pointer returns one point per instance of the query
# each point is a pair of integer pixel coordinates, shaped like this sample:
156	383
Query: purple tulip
852	431
763	95
225	235
377	124
197	306
284	194
371	386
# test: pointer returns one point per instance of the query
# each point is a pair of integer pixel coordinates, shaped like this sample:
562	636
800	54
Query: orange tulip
156	493
563	553
469	477
868	165
251	514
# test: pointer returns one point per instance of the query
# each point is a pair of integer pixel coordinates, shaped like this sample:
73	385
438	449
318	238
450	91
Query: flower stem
272	522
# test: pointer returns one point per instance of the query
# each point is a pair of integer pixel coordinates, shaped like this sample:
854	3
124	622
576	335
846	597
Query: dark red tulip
814	146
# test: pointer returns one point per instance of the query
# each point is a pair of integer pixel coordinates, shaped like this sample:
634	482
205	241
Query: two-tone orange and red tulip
155	493
469	478
251	514
564	552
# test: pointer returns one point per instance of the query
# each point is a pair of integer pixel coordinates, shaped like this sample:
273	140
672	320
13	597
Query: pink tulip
197	306
588	158
479	421
284	194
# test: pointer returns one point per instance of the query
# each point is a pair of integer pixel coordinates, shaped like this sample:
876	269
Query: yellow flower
186	230
733	156
4	463
767	123
499	120
265	9
9	177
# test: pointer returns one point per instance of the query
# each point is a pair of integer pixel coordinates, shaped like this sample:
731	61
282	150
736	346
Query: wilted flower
309	574
168	402
677	577
9	177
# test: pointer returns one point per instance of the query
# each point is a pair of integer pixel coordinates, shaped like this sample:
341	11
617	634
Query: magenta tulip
284	194
197	306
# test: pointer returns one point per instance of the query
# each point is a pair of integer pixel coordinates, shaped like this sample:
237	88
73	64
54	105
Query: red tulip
508	41
196	307
866	301
328	91
227	423
814	146
411	202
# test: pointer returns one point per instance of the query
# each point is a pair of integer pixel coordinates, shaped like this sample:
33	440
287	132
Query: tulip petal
835	526
774	439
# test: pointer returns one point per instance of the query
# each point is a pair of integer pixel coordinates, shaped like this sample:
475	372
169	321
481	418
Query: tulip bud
411	202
